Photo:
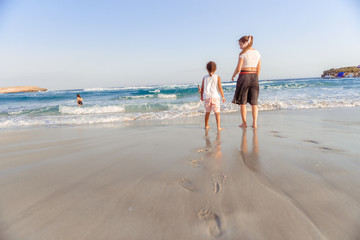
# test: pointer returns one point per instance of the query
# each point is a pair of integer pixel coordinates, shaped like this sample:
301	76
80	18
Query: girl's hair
78	95
211	67
245	39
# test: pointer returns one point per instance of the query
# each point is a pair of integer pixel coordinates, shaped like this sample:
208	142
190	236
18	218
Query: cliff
355	71
21	89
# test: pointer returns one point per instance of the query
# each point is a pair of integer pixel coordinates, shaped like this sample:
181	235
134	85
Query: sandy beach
296	177
21	89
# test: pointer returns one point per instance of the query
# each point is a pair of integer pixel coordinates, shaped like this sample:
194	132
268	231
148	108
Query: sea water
121	104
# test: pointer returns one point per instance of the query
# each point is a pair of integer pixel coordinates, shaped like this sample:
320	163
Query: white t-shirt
211	86
251	58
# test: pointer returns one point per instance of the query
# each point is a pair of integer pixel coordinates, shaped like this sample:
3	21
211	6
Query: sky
67	44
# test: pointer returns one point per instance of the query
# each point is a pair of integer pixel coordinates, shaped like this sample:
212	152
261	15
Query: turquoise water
114	105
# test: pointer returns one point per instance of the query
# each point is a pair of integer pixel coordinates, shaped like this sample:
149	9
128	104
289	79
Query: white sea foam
80	110
166	96
173	86
15	112
115	114
185	106
115	89
155	91
137	97
229	84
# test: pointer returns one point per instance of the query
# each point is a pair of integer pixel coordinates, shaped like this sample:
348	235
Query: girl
247	86
211	86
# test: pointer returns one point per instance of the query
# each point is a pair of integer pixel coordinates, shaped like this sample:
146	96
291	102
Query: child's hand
223	99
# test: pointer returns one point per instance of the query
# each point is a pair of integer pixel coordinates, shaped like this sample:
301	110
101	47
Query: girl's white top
211	86
251	58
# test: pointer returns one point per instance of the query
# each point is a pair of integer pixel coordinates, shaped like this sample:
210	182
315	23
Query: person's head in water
211	67
78	95
246	43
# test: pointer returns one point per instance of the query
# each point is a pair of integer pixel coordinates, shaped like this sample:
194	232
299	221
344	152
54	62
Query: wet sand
296	177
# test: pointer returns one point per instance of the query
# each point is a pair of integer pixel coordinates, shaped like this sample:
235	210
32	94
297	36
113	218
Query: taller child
211	87
247	86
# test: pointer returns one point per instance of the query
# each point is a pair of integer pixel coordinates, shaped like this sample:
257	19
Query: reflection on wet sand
215	150
215	162
251	159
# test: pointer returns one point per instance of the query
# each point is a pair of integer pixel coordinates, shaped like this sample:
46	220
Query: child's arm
220	88
202	90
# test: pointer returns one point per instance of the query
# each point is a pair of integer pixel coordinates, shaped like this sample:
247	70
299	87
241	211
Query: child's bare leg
207	115
217	117
243	115
254	110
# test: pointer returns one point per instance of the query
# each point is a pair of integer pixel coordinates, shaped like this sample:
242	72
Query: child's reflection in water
251	160
214	151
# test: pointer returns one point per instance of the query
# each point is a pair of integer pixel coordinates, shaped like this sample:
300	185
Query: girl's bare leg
254	109
207	115
217	116
243	115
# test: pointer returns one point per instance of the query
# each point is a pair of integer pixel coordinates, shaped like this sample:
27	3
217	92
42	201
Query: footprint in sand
212	220
311	141
218	182
187	184
322	148
330	149
278	136
275	134
217	187
203	150
195	163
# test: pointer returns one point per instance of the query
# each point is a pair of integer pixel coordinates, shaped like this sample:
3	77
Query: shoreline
295	177
178	121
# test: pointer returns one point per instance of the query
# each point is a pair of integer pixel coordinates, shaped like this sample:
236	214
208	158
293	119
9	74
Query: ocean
156	102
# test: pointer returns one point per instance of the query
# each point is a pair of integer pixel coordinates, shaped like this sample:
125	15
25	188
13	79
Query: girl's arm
258	68
238	67
202	90
220	88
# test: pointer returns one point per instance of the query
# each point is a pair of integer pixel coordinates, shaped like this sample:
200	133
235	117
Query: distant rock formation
21	89
354	71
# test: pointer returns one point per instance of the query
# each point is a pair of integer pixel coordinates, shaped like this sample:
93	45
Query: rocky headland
21	89
348	71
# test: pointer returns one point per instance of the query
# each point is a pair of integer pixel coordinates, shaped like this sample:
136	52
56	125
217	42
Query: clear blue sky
64	44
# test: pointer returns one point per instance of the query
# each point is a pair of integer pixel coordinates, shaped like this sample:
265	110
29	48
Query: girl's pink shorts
212	103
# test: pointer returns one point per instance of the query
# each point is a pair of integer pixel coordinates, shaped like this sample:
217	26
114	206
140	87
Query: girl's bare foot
207	127
254	125
219	129
243	125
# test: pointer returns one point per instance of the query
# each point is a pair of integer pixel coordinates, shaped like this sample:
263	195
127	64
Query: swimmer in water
79	100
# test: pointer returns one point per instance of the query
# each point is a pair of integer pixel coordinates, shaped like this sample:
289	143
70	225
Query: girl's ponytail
248	42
